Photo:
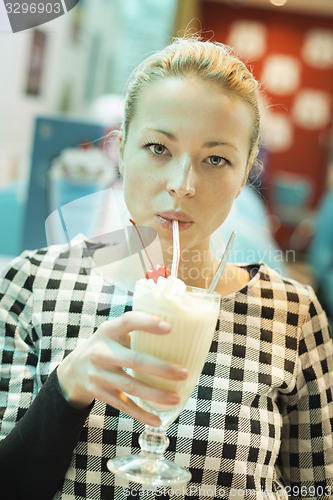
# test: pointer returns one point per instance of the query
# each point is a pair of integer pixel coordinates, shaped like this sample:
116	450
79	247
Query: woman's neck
196	266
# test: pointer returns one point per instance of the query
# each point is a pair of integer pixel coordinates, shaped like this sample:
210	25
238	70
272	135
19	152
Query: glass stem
153	442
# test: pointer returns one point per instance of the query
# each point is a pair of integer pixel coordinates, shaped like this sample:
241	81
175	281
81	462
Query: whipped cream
164	286
169	296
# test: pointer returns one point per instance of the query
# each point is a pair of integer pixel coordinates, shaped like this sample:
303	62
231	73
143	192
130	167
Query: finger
108	355
121	402
134	320
124	382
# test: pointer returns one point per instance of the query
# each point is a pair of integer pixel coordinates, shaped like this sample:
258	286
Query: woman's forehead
174	103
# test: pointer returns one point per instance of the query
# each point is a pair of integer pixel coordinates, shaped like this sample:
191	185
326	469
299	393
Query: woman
260	417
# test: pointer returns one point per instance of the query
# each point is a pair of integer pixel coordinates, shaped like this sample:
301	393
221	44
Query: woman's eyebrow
212	144
208	144
167	134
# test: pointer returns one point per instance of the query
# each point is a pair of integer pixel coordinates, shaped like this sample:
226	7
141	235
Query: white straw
222	264
176	248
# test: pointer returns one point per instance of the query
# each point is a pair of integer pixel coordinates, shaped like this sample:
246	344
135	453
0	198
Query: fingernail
163	325
155	421
173	398
183	373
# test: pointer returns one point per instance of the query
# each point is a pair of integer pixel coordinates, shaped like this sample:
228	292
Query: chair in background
254	240
52	135
291	198
12	204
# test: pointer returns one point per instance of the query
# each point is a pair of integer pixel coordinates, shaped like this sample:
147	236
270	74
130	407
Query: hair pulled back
210	61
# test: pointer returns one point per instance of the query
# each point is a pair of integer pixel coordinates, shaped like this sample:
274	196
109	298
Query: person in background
320	254
259	421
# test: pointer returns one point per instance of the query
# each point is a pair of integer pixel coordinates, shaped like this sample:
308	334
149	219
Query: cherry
156	271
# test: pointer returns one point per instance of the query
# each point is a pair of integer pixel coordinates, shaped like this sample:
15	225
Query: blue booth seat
12	206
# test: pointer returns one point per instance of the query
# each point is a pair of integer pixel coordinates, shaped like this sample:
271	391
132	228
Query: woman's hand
95	368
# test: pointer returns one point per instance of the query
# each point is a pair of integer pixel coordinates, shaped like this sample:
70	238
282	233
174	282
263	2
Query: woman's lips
165	220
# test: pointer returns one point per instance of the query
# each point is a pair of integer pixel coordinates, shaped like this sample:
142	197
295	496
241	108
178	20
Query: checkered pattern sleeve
306	455
43	440
38	431
18	355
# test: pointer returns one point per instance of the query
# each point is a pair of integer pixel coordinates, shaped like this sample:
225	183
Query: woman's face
185	157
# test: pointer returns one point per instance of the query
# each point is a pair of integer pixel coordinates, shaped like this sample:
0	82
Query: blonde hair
210	61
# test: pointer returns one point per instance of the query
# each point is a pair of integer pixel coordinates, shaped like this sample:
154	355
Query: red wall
285	35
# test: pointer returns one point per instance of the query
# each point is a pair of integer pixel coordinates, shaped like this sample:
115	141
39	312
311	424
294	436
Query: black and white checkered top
260	416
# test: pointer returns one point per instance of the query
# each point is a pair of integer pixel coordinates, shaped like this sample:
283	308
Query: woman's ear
121	154
240	189
246	176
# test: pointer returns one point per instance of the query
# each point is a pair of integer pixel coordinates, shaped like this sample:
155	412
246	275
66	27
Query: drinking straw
222	264
176	248
143	246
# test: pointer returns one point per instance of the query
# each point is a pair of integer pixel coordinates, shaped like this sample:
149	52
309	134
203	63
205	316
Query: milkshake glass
192	314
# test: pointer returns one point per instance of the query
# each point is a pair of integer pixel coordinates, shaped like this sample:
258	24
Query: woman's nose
182	180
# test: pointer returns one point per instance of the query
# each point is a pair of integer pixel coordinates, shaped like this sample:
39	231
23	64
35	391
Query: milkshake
192	314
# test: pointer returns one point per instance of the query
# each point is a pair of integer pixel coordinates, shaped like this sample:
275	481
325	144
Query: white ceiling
313	7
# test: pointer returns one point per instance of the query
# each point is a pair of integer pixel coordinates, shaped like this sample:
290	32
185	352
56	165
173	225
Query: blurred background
61	96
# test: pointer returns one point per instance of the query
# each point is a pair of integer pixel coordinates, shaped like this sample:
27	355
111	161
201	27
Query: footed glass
193	318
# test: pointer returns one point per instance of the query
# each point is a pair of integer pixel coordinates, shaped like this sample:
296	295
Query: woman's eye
156	149
217	160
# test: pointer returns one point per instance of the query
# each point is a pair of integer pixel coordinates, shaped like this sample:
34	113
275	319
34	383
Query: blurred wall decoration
36	62
65	64
292	55
145	27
